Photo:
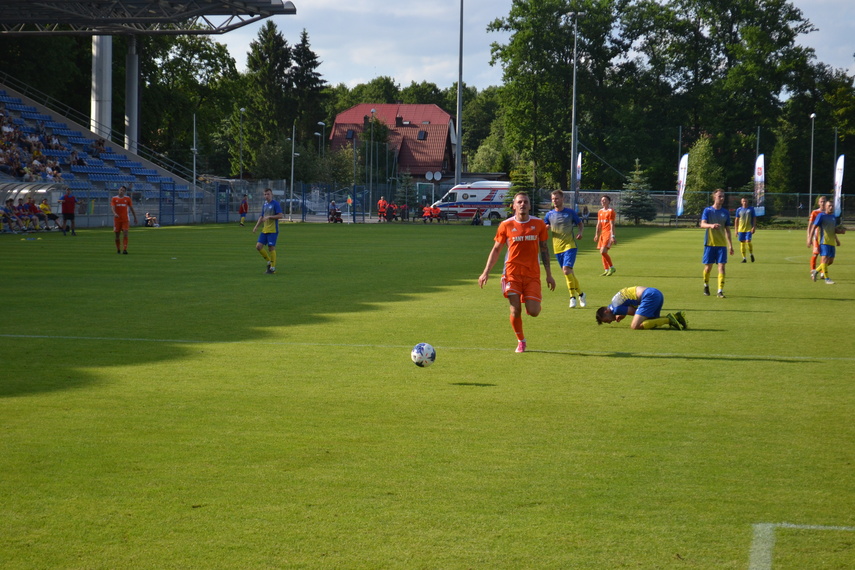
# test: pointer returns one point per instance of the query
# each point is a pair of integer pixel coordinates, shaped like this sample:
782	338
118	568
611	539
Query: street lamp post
242	111
573	141
371	162
810	178
319	143
293	154
324	138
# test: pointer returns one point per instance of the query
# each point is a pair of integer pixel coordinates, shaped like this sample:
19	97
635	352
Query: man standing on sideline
825	232
121	223
243	209
746	225
561	222
813	239
382	204
717	241
271	213
604	235
68	203
526	238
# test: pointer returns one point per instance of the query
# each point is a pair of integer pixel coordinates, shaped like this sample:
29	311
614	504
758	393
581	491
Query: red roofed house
422	135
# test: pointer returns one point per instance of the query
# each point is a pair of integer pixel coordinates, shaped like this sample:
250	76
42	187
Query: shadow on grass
473	384
187	285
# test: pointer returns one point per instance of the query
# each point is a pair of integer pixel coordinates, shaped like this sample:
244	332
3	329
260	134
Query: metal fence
217	201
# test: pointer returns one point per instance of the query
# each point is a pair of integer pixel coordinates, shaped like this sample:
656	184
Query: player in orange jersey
604	235
525	237
120	205
814	241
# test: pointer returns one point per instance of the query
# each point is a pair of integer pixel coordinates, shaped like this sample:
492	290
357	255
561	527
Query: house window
422	135
349	135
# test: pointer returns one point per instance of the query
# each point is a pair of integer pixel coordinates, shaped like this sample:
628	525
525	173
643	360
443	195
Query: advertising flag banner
838	187
681	182
579	171
759	187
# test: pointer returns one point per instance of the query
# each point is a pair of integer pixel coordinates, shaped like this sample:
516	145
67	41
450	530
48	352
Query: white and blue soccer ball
423	354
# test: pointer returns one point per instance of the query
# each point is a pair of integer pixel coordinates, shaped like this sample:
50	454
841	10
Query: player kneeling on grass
644	304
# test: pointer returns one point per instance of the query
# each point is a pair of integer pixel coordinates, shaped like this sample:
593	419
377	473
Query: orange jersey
606	220
120	205
523	240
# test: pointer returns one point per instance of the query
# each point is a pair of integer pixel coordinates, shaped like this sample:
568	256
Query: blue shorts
714	255
827	250
650	303
744	236
268	239
567	258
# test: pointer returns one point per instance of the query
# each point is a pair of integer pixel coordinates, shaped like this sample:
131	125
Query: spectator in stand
75	160
67	205
45	208
99	148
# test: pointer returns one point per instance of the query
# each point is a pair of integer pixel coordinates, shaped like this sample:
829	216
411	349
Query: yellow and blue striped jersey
562	224
745	218
270	209
716	238
826	223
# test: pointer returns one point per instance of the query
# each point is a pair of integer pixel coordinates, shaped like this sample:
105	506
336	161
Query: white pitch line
763	541
621	354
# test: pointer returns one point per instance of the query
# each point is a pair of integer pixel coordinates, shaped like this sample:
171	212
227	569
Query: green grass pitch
178	408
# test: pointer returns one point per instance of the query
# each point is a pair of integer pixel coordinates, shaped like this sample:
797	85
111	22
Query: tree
703	177
381	89
308	88
270	105
636	202
424	93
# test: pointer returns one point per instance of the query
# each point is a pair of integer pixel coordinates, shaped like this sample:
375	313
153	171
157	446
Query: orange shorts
120	225
526	287
604	241
816	247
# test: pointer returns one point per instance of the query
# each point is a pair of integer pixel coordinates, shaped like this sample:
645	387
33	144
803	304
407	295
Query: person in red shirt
68	203
243	210
525	237
121	223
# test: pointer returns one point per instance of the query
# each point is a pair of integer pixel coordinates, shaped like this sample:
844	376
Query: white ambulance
486	197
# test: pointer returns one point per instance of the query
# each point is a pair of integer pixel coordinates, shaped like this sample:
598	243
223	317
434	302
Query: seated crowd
22	155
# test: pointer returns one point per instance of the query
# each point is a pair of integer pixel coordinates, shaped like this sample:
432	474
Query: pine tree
636	202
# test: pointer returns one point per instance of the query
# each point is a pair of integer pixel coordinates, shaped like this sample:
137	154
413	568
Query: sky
414	40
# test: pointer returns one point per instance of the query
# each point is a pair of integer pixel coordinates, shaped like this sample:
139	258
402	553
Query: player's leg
125	240
721	266
707	271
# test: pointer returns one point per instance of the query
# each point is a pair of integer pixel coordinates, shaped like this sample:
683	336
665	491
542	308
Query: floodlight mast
573	140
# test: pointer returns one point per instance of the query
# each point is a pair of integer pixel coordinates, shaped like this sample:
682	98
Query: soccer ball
423	354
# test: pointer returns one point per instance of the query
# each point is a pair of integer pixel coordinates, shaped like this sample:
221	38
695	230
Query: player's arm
729	240
113	208
597	230
491	261
581	227
544	258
